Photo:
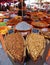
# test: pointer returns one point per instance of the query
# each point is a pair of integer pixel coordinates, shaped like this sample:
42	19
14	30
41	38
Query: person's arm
2	42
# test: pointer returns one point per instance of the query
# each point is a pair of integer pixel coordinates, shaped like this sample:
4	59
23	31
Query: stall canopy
5	0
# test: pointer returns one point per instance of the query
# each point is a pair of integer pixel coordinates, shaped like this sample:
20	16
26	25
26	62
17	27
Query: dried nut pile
14	21
15	45
35	45
4	30
46	34
40	24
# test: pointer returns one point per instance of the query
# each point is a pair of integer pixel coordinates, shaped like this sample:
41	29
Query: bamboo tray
45	25
9	54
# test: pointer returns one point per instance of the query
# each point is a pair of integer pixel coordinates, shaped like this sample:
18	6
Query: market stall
25	36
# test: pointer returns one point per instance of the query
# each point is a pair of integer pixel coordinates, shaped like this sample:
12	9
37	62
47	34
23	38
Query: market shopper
0	7
3	8
22	8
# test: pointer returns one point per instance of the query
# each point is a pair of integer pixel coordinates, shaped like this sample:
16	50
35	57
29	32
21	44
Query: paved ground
4	60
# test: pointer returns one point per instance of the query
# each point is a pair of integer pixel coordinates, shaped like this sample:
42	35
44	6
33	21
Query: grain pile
23	26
